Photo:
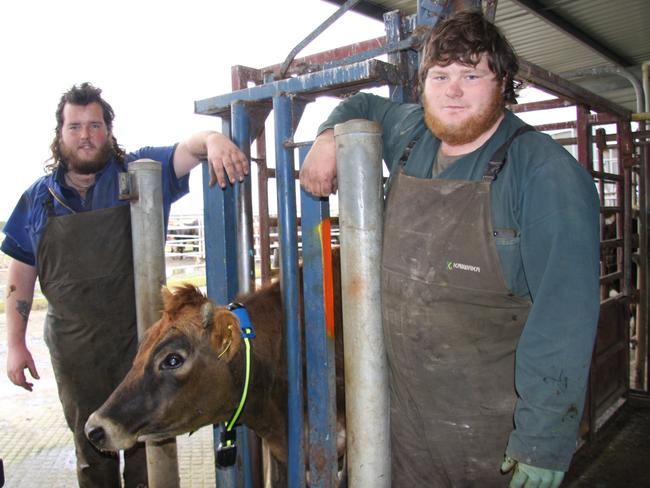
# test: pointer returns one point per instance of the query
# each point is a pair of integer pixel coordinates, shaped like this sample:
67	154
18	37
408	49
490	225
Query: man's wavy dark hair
462	38
83	95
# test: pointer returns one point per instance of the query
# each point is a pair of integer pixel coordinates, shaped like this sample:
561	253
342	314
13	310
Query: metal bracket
128	188
429	11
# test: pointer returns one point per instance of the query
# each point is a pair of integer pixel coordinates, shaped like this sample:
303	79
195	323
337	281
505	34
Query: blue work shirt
25	225
547	209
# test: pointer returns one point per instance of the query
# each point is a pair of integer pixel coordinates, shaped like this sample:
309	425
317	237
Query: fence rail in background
185	246
185	249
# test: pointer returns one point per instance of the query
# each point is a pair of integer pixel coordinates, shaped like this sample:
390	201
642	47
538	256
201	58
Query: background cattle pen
591	70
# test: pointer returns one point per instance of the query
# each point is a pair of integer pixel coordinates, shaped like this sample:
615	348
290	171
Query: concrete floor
35	442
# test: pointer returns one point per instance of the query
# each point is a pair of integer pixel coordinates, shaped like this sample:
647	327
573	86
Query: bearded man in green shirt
489	270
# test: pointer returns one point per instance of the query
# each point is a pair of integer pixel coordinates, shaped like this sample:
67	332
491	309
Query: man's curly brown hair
83	95
463	38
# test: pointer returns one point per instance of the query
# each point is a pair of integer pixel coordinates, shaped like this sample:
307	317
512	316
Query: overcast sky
152	59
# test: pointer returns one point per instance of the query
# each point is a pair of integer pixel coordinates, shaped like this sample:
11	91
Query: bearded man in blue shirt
70	231
489	270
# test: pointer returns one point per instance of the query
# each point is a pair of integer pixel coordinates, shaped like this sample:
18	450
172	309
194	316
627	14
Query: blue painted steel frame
221	251
220	244
245	262
286	193
407	59
222	286
319	345
367	73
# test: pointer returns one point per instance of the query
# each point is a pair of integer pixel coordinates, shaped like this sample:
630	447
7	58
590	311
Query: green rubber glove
527	476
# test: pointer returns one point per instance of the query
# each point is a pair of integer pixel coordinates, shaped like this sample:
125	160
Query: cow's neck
266	408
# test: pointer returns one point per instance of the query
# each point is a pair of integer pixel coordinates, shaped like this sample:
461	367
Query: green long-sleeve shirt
552	257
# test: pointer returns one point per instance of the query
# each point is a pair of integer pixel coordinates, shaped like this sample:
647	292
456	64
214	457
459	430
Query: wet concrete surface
35	443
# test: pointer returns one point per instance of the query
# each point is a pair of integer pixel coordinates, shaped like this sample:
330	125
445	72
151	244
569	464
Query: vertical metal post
246	272
627	160
245	244
359	175
319	336
222	282
220	242
282	109
583	134
406	61
263	208
601	147
149	269
643	382
624	228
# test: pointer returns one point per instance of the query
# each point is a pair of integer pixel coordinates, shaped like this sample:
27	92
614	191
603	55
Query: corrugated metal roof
617	27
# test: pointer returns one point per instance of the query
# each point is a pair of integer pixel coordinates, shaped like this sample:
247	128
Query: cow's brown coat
157	401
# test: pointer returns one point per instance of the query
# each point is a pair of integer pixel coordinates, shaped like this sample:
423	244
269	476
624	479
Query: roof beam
538	9
565	89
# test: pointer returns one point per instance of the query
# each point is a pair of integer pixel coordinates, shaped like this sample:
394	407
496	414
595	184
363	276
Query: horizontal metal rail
367	73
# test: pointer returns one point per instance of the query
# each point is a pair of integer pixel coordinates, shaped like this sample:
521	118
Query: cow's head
180	379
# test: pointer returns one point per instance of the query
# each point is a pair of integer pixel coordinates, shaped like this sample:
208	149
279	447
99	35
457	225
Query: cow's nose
97	436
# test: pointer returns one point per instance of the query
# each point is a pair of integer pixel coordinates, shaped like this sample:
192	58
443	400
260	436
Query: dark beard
471	129
84	167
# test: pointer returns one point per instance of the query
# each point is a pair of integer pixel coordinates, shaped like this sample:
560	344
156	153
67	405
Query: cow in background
189	372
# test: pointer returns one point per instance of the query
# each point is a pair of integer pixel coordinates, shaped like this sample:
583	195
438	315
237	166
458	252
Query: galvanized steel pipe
359	175
149	269
245	239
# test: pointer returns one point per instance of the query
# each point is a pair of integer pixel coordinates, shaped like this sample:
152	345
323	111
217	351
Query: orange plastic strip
325	230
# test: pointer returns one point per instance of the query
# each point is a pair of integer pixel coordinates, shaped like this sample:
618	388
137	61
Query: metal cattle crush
601	136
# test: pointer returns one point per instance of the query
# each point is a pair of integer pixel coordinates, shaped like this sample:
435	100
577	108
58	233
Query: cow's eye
172	361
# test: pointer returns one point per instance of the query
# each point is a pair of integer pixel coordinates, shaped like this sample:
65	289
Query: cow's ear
223	327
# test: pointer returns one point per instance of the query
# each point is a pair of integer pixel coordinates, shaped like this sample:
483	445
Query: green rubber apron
451	328
85	268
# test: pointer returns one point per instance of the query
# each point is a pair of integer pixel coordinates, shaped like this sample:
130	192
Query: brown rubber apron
85	269
451	327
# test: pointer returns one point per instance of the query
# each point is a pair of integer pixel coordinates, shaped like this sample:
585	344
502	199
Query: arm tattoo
23	308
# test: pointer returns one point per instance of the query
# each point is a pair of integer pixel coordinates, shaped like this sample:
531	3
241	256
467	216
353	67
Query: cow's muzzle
107	435
97	436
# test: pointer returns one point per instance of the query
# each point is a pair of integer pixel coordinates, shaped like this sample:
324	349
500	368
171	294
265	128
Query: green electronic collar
227	450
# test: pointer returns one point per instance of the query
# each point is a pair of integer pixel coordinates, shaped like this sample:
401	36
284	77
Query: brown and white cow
189	372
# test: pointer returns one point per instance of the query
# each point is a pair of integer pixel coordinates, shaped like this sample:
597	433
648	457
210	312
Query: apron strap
498	159
49	203
407	152
401	163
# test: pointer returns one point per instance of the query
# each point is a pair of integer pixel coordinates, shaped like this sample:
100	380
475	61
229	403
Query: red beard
470	129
